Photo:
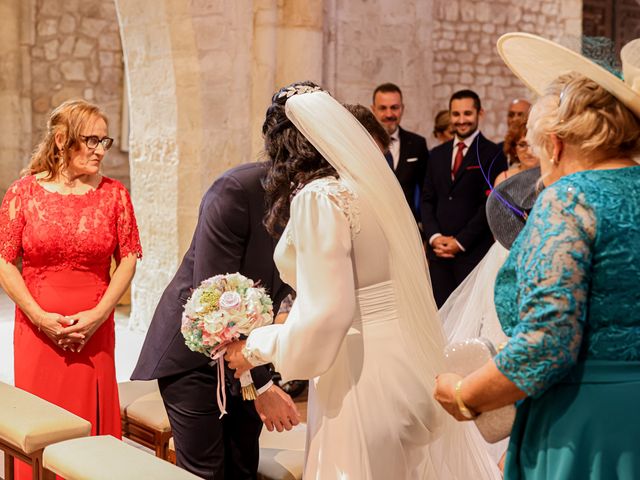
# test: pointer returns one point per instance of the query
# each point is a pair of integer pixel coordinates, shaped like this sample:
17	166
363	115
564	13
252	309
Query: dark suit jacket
457	207
229	237
412	165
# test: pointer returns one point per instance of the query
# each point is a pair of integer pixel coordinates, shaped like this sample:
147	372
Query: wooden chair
171	453
144	418
106	458
28	424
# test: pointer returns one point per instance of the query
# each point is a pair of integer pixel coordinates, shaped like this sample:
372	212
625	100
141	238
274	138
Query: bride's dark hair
294	161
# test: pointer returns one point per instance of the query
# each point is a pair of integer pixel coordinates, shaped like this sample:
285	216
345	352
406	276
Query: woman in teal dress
569	292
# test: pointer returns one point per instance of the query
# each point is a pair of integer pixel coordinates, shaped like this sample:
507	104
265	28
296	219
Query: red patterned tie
458	161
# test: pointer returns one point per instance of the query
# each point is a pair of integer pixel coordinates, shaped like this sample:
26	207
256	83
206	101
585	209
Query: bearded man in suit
408	154
458	181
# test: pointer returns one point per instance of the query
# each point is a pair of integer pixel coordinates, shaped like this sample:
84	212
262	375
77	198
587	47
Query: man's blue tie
389	158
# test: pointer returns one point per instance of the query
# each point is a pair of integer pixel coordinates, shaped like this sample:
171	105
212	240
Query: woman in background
518	151
442	130
66	221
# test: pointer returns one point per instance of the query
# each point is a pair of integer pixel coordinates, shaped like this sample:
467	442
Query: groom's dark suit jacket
229	237
457	207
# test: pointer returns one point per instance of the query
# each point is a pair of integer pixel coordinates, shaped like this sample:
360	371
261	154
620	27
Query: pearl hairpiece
298	89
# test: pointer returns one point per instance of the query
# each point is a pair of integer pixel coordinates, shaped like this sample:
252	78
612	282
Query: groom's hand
277	410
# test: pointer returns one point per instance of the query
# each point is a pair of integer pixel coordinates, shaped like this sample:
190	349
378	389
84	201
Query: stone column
165	139
189	83
15	36
300	41
263	71
288	45
372	43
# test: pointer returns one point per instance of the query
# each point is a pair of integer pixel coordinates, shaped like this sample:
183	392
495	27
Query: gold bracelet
466	413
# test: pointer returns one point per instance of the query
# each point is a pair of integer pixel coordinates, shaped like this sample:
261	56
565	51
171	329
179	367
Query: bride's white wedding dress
366	335
371	414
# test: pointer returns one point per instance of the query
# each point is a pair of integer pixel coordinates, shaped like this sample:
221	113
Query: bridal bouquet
219	311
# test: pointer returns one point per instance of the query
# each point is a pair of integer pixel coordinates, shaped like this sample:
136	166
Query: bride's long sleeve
307	344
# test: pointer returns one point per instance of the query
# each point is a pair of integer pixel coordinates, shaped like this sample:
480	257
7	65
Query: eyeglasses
522	145
93	141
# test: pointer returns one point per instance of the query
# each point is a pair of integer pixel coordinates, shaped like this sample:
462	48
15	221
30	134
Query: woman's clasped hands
70	332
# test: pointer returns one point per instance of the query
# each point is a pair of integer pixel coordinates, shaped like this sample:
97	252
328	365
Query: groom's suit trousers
210	448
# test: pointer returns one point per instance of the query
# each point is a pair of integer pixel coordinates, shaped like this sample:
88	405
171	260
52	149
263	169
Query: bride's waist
376	303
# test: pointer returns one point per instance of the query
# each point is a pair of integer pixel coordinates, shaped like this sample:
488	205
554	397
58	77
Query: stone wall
464	42
369	43
16	36
201	73
76	53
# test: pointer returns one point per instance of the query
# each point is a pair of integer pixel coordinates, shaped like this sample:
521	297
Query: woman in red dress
66	221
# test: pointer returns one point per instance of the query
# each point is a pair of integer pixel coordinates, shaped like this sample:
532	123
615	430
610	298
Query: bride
364	327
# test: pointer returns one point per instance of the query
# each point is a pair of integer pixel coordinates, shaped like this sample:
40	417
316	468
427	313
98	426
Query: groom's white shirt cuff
264	388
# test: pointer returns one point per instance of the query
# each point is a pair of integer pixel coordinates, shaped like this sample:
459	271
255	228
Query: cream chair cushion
133	390
29	423
106	458
149	410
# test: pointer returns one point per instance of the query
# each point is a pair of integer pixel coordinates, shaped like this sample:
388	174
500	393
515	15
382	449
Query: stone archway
199	77
165	138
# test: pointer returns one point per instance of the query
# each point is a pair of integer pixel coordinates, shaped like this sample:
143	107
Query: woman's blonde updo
582	113
67	120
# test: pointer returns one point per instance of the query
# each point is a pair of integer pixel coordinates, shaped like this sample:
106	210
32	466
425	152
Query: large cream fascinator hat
537	61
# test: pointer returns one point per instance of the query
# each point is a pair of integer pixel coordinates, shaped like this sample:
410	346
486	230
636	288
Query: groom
229	237
454	196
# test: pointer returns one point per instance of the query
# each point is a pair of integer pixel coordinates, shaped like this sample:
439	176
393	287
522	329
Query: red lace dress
66	243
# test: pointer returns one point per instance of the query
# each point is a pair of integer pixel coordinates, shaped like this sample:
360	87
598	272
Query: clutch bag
467	356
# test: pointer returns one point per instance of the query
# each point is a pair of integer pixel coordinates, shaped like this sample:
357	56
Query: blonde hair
67	120
442	122
582	113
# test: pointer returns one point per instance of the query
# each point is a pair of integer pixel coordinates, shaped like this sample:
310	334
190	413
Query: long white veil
459	452
470	312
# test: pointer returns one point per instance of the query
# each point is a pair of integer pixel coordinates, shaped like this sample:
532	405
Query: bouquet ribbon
246	382
221	391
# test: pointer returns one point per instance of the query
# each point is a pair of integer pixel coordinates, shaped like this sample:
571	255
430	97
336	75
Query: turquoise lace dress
568	295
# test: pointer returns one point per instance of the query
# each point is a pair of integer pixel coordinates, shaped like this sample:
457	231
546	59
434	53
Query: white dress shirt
467	143
394	147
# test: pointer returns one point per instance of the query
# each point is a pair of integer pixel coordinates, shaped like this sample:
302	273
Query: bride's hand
236	359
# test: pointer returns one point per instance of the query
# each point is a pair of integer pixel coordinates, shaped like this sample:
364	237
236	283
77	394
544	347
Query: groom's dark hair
370	123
